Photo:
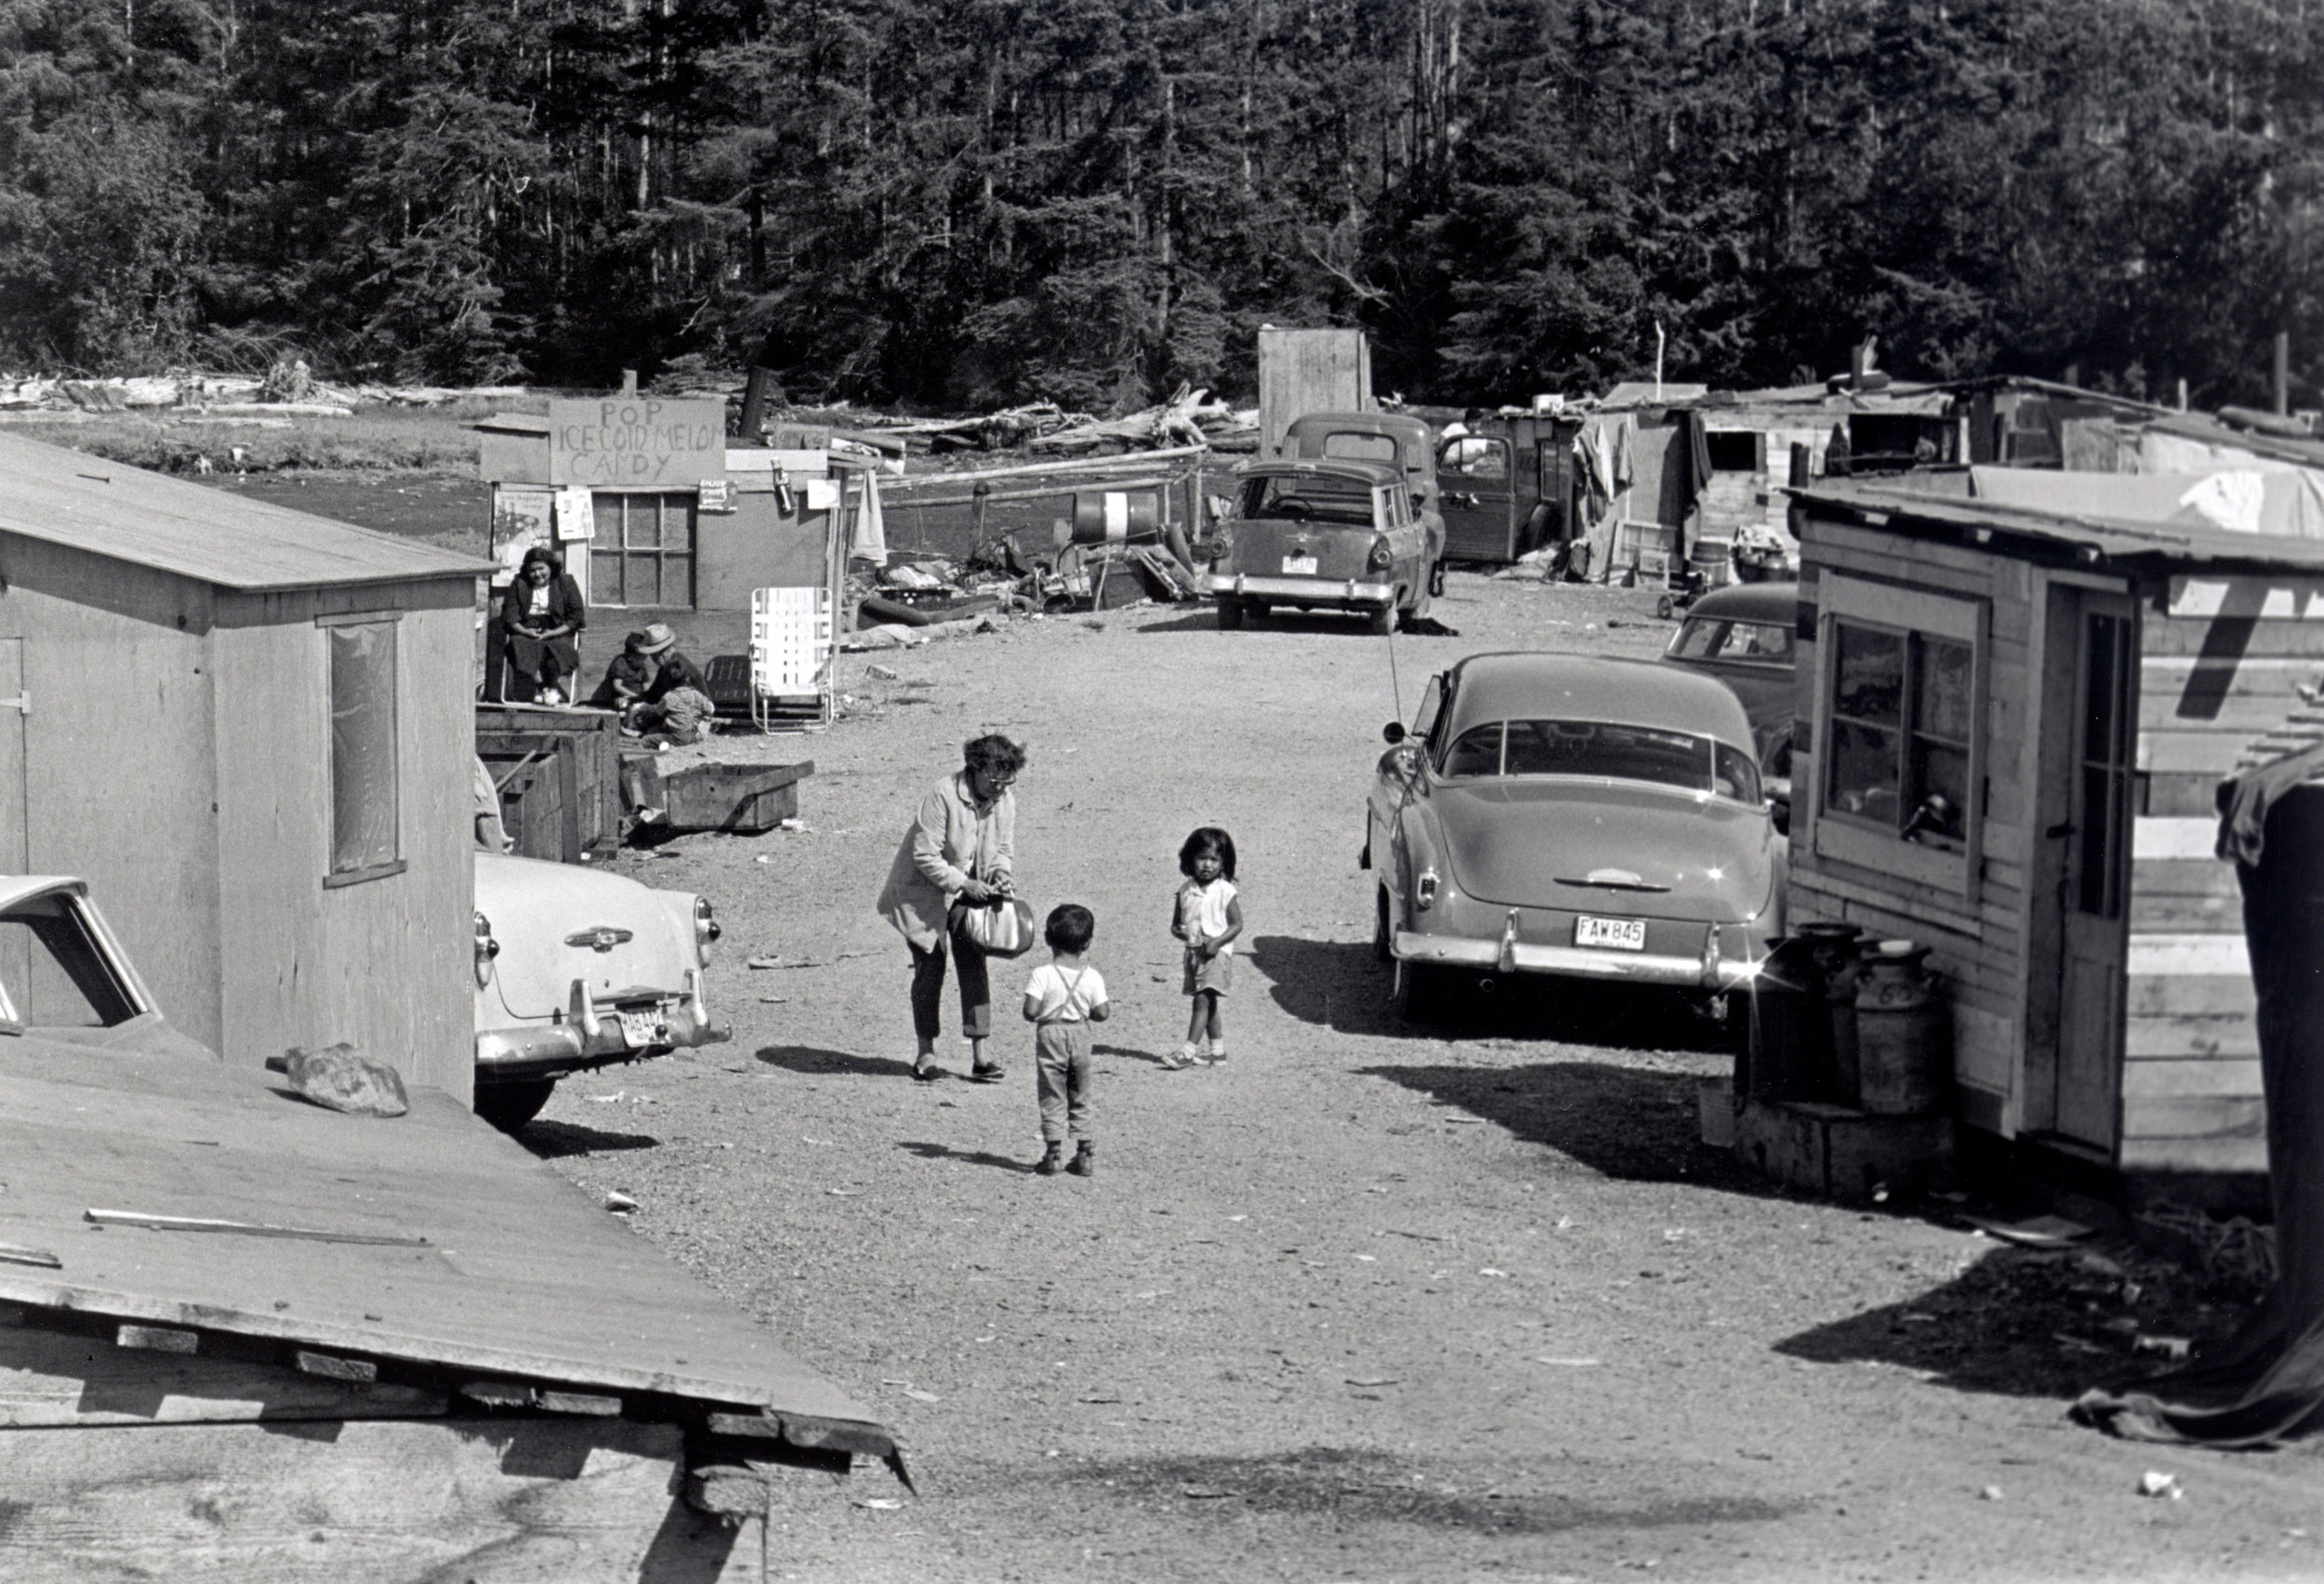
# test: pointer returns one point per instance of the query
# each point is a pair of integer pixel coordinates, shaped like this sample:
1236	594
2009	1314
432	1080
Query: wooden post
2283	373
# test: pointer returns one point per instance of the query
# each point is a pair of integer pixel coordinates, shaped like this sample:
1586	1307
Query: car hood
534	906
1516	841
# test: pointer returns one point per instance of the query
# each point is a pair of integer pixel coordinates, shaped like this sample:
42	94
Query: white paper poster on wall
576	513
822	494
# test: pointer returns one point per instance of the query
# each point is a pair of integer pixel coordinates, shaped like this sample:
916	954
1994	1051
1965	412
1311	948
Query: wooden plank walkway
520	1277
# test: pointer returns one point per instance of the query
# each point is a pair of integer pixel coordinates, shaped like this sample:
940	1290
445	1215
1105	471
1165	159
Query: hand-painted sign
635	443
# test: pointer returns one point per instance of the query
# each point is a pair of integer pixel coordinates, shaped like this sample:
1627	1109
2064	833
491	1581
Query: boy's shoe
988	1072
1052	1161
1085	1161
1177	1061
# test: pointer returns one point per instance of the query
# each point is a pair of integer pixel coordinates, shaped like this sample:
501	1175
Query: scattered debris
767	961
1990	1493
341	1079
619	1203
15	1255
920	1397
884	673
1569	1363
2154	1482
2042	1232
2175	1348
880	1503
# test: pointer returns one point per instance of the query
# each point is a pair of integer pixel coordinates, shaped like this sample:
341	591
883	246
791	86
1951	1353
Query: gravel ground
1368	1302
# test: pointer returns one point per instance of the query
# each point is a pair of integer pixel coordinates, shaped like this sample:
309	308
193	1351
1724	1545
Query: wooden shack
1309	371
257	724
246	1338
2072	688
650	510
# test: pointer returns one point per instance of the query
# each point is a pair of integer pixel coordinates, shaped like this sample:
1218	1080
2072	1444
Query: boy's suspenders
1070	991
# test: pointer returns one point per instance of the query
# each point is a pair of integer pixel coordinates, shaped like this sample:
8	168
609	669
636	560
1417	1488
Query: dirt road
1365	1303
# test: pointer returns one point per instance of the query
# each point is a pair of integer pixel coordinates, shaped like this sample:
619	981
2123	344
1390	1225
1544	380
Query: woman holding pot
960	852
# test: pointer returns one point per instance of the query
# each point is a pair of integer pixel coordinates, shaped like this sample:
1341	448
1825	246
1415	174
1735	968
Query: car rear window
1308	500
1605	749
1707	638
1361	447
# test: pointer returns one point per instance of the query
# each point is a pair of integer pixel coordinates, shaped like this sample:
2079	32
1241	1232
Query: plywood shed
404	1349
252	727
2074	686
1309	371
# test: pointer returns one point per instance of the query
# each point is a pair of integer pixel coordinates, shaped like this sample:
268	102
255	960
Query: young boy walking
1062	999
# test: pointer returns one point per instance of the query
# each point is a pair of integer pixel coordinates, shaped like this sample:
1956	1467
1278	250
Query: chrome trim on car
529	1050
1508	955
1311	590
603	938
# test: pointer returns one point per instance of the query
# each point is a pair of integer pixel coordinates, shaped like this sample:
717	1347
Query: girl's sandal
926	1072
991	1075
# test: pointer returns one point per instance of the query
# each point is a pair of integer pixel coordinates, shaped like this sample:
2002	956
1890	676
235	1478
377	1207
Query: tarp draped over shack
2266	1385
2240	500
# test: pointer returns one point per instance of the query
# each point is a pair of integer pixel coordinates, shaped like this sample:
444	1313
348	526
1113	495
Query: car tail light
1381	555
705	928
487	949
1424	888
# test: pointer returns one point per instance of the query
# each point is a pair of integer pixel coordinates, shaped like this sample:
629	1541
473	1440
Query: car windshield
52	972
1308	498
1708	637
1603	748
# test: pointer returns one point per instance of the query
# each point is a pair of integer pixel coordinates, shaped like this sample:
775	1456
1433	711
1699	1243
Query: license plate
641	1029
1613	934
1299	566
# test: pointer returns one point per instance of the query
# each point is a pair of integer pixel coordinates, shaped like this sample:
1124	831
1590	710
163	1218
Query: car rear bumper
1705	972
591	1034
1345	591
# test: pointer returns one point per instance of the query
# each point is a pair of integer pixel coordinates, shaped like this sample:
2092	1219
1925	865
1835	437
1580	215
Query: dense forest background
962	203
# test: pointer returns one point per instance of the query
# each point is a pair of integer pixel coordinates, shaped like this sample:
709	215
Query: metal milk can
1904	1061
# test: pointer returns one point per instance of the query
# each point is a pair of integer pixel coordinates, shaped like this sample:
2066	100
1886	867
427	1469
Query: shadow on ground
809	1059
2023	1323
1358	1485
553	1140
1628	1123
926	1150
1340	986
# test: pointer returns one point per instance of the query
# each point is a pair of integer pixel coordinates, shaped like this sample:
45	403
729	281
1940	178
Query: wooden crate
559	774
743	798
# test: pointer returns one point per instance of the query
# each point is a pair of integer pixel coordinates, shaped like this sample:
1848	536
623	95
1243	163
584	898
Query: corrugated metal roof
2086	537
109	509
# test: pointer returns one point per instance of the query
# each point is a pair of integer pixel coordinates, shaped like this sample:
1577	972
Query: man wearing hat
677	702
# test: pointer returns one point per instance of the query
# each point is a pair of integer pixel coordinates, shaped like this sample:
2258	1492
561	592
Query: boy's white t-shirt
1064	996
1203	908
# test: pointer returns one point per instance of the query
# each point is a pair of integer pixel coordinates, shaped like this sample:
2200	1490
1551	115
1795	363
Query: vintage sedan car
1743	636
1580	818
64	977
576	969
1324	534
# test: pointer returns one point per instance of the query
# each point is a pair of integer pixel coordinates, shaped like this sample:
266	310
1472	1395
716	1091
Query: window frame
333	877
1909	613
612	559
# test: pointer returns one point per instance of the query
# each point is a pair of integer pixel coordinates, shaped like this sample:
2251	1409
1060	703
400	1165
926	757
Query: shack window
1900	759
1736	451
364	840
643	550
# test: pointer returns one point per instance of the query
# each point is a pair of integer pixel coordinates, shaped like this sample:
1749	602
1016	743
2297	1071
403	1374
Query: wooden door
1474	484
2094	931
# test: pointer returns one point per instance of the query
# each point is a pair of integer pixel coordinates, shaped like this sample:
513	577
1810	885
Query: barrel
1836	946
1904	1061
1103	517
1790	1037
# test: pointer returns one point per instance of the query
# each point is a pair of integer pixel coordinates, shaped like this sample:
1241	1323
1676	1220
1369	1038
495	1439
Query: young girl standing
1207	917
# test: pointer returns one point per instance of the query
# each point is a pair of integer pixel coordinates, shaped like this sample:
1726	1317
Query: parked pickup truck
1506	488
1388	437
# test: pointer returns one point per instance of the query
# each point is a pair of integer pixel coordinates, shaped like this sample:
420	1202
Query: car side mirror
1393	732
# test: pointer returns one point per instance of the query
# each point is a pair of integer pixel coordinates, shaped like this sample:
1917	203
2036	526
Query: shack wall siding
117	665
1975	943
382	963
